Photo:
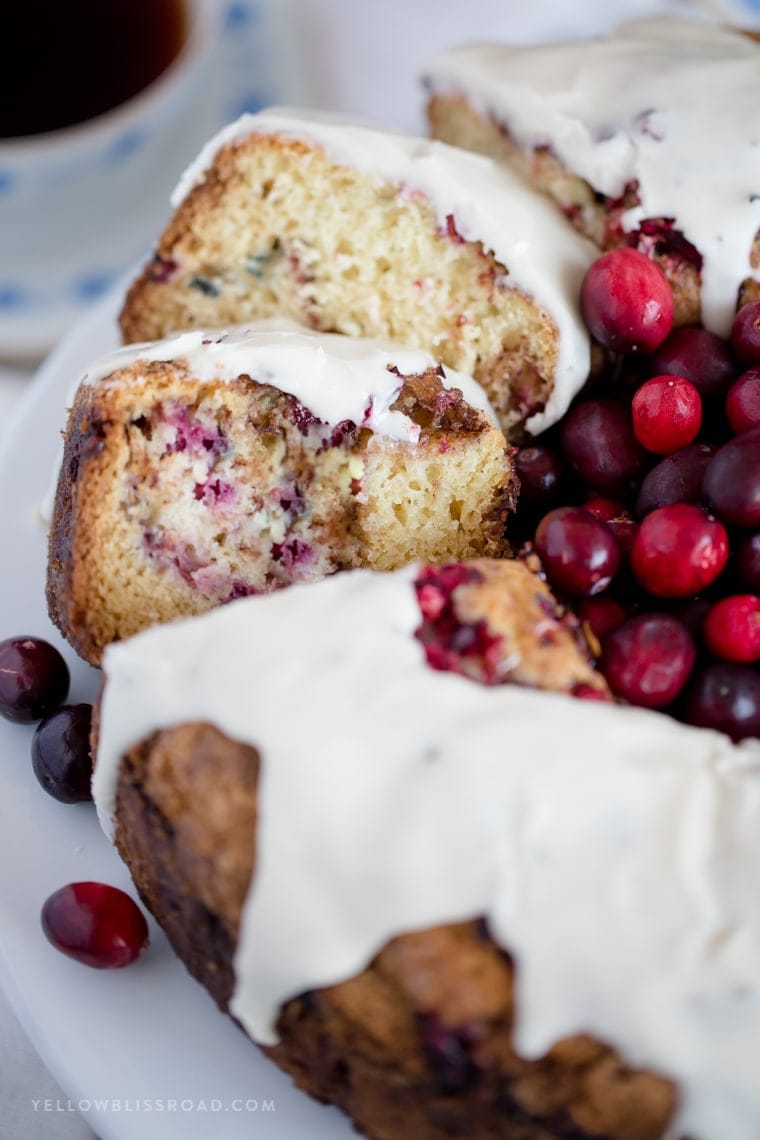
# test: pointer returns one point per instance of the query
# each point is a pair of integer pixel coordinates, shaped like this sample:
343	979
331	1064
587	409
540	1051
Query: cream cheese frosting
544	257
614	852
335	377
665	102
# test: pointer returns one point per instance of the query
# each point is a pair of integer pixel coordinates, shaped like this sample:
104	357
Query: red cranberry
677	478
745	333
699	356
667	414
726	698
61	753
97	924
748	562
678	551
598	441
578	552
732	628
743	402
34	679
627	302
618	519
601	615
647	661
732	480
541	473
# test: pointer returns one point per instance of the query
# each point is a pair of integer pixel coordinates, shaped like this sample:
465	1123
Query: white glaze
335	377
615	852
669	103
544	257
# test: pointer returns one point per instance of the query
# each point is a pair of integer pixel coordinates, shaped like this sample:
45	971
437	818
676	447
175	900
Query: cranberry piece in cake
678	551
578	551
647	660
732	480
732	628
598	442
699	356
34	679
667	414
726	697
743	402
745	333
96	924
627	302
61	753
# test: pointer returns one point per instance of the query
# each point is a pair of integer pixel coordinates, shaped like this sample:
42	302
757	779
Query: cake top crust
614	852
544	257
666	103
336	377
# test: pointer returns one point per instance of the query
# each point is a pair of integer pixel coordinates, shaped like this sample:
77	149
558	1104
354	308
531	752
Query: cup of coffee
93	134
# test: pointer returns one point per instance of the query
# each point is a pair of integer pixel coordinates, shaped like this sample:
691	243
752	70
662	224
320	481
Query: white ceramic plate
135	1039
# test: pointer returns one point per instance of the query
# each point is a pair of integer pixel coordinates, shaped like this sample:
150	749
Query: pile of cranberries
643	504
94	923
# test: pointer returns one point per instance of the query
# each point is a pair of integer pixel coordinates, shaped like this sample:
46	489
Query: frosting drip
614	852
336	377
667	103
544	257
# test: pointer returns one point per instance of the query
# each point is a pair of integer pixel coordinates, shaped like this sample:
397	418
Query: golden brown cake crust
418	1046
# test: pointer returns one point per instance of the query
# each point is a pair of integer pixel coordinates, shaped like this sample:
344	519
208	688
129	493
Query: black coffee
66	61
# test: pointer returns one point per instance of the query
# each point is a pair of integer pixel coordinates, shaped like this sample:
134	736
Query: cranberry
667	414
748	562
541	473
732	480
97	924
601	615
732	628
745	333
726	698
627	302
678	551
61	753
449	1052
647	660
676	479
618	519
34	679
578	552
598	441
743	402
699	356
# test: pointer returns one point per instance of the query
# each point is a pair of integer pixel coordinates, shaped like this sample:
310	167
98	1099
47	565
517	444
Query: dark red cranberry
601	615
618	519
34	679
748	562
699	356
732	480
667	414
743	402
61	753
677	478
647	660
726	698
745	333
598	442
732	628
627	302
541	472
449	1053
678	551
578	552
96	924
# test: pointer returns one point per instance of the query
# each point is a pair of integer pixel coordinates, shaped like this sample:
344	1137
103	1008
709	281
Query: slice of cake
451	908
355	230
214	465
647	138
